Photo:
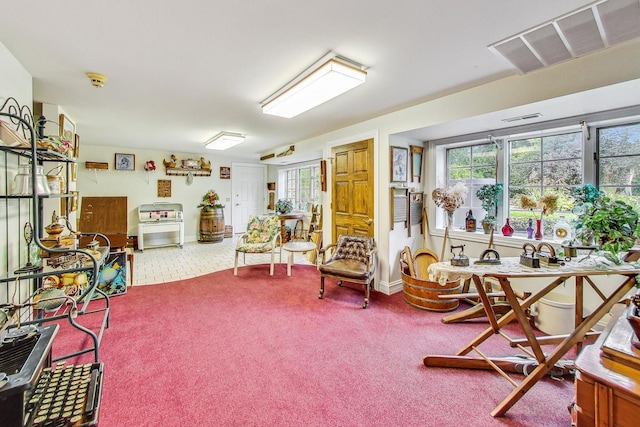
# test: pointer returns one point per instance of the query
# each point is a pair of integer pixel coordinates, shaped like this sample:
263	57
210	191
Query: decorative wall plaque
225	172
164	188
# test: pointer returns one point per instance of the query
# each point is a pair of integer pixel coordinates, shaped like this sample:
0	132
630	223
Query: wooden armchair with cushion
353	259
262	236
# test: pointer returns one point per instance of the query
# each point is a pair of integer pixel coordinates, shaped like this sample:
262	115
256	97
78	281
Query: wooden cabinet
108	215
607	390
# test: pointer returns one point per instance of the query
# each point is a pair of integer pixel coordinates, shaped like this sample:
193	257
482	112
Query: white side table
297	246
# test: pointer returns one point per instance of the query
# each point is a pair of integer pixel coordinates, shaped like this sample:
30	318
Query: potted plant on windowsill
612	225
488	196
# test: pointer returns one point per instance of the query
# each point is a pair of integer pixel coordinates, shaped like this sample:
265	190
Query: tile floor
171	263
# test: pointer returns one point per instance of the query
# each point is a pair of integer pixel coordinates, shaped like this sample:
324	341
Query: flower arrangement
451	198
150	166
210	201
547	204
284	206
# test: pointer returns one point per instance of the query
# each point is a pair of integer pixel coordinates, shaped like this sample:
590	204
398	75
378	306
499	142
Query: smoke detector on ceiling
97	80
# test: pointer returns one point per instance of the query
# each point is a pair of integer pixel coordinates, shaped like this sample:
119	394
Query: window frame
588	126
291	174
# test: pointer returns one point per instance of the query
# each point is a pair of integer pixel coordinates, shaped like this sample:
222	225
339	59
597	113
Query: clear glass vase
449	223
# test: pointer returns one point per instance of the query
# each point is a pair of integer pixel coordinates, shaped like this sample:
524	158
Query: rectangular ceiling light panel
224	140
600	25
331	79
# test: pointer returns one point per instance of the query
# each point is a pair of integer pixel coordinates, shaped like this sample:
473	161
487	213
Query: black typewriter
67	395
33	394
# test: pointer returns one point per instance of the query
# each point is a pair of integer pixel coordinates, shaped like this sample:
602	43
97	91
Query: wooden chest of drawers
607	390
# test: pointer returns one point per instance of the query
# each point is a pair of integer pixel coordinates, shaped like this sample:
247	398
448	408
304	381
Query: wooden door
352	193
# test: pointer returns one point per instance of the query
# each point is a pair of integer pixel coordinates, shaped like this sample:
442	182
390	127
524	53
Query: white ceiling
182	71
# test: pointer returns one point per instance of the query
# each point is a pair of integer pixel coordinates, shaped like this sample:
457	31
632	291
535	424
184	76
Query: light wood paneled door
352	193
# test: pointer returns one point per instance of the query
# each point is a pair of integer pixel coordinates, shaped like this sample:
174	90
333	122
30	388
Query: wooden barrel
424	293
211	226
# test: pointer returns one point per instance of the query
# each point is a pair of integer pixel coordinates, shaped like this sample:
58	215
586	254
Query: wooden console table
608	389
510	268
283	221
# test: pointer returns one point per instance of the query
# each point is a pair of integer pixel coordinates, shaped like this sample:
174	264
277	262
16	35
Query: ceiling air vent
600	25
519	118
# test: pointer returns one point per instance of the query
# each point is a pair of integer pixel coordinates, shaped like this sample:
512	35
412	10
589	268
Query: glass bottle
562	230
470	222
507	229
530	229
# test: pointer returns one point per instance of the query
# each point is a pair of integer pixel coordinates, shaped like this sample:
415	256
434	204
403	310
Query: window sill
498	239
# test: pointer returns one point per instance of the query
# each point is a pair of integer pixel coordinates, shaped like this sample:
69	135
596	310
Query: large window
619	162
475	165
540	166
542	162
301	185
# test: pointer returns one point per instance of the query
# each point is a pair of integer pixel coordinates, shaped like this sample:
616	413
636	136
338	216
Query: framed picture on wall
225	172
416	162
76	146
67	129
399	164
125	162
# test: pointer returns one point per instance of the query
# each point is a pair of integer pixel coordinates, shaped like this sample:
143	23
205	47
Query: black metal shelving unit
20	286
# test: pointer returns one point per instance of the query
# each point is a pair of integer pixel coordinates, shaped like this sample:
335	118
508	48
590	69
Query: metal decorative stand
28	237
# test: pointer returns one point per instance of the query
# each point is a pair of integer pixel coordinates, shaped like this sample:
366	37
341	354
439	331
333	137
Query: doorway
352	192
248	189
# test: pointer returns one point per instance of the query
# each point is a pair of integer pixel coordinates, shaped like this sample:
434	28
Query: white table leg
289	263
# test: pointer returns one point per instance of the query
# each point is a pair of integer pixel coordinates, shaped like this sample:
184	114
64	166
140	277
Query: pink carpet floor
260	350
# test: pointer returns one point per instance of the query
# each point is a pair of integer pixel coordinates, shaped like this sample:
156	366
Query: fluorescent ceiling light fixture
332	78
224	140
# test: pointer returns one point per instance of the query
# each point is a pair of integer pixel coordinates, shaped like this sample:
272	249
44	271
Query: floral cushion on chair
260	232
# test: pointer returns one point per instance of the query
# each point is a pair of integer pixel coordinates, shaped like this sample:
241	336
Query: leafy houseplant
611	224
284	206
210	201
488	196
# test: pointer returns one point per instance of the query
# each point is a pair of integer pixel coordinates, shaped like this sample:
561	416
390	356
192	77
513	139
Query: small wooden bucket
424	294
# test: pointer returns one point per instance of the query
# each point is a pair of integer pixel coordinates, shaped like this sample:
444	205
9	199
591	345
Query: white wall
140	187
615	65
15	82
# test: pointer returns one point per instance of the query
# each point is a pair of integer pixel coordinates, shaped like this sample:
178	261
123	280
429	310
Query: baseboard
389	288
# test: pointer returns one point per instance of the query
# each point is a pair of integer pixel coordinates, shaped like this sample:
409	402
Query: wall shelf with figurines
188	167
187	171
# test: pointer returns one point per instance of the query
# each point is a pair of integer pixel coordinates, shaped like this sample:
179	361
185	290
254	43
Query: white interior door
248	187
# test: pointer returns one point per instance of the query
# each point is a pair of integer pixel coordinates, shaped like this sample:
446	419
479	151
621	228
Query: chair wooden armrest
327	250
371	258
